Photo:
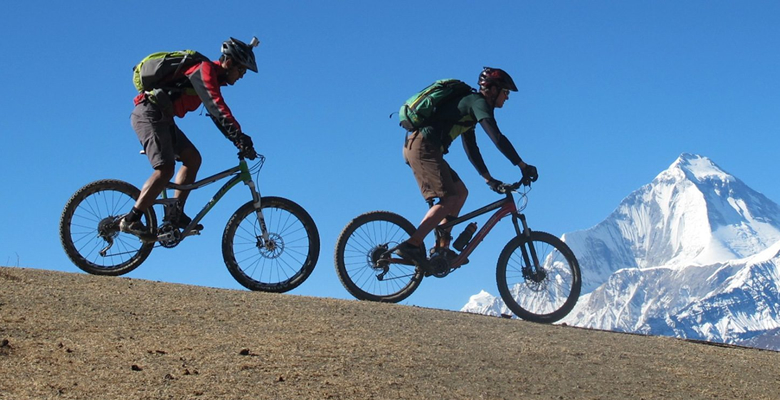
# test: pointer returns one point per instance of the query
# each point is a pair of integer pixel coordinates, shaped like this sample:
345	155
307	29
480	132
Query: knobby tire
534	298
278	269
85	211
359	243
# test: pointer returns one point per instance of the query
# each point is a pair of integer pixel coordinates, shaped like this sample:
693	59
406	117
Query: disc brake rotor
273	248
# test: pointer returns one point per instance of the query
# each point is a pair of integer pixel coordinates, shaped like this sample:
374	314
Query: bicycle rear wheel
361	244
287	260
545	293
89	229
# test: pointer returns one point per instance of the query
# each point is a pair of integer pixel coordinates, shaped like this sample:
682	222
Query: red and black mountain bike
537	273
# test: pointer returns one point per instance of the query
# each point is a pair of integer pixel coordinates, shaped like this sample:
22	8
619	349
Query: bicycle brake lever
505	188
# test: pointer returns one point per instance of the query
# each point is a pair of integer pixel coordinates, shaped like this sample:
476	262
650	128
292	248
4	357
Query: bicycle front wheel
544	290
286	260
361	244
89	229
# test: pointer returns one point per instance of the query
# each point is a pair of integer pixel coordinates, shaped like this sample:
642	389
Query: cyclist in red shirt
164	143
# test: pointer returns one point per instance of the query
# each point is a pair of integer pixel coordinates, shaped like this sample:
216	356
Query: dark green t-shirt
456	117
459	118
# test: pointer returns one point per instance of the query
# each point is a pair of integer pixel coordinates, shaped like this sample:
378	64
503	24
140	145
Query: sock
134	215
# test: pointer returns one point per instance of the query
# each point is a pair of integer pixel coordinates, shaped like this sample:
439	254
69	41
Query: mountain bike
537	273
269	244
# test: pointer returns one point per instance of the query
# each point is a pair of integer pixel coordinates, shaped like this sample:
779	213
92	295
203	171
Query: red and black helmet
496	77
241	52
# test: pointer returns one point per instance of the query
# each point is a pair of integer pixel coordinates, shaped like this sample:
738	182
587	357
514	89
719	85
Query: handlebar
509	187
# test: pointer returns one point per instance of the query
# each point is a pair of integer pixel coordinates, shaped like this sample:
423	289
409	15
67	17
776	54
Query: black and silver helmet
496	77
241	52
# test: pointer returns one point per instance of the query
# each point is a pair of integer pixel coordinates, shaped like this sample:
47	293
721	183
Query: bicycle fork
531	269
264	241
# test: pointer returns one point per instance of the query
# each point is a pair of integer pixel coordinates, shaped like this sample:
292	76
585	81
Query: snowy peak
699	169
692	213
728	200
695	253
742	220
483	303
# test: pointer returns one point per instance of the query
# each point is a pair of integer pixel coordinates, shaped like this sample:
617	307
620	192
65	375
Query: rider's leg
461	193
191	161
154	186
436	179
131	222
155	132
448	205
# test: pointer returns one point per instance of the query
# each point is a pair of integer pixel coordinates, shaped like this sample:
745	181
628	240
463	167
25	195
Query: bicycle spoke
544	292
90	208
278	263
361	244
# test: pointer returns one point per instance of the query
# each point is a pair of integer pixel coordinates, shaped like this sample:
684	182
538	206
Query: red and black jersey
203	86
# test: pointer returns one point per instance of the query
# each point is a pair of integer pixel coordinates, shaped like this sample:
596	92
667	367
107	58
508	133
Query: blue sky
611	93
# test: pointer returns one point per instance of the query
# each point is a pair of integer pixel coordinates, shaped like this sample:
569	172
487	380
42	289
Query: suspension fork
529	252
257	204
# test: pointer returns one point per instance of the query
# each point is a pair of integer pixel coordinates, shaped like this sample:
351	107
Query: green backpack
162	67
418	110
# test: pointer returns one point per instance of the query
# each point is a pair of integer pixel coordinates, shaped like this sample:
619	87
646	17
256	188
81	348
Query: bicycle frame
505	207
241	173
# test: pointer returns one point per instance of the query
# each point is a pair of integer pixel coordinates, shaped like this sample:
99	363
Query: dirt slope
75	336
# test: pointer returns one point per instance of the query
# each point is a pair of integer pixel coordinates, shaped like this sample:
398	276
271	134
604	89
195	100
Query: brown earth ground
75	336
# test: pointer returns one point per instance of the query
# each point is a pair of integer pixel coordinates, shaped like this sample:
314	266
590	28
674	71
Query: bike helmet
494	76
241	52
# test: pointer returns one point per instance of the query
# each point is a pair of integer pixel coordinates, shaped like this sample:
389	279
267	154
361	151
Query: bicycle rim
545	294
289	257
88	242
360	244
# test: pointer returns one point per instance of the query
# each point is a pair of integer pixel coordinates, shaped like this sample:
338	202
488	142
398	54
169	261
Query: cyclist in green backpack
164	143
425	147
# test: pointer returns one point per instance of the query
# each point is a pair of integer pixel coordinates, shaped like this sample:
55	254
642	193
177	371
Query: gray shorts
434	176
161	139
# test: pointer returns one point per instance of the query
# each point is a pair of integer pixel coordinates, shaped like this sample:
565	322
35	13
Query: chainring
168	236
439	265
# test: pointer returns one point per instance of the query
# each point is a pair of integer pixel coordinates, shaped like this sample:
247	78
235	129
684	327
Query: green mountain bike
270	244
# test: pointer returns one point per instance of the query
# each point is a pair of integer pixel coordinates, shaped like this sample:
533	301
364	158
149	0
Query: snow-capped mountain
485	303
726	302
693	213
692	254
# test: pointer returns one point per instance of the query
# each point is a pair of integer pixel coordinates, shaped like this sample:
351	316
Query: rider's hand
495	185
529	175
245	147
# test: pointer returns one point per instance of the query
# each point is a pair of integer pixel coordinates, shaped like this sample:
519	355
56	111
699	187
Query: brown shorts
434	176
161	139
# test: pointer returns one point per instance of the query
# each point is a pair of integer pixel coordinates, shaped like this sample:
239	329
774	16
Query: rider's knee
463	193
458	198
452	202
165	171
191	158
460	191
